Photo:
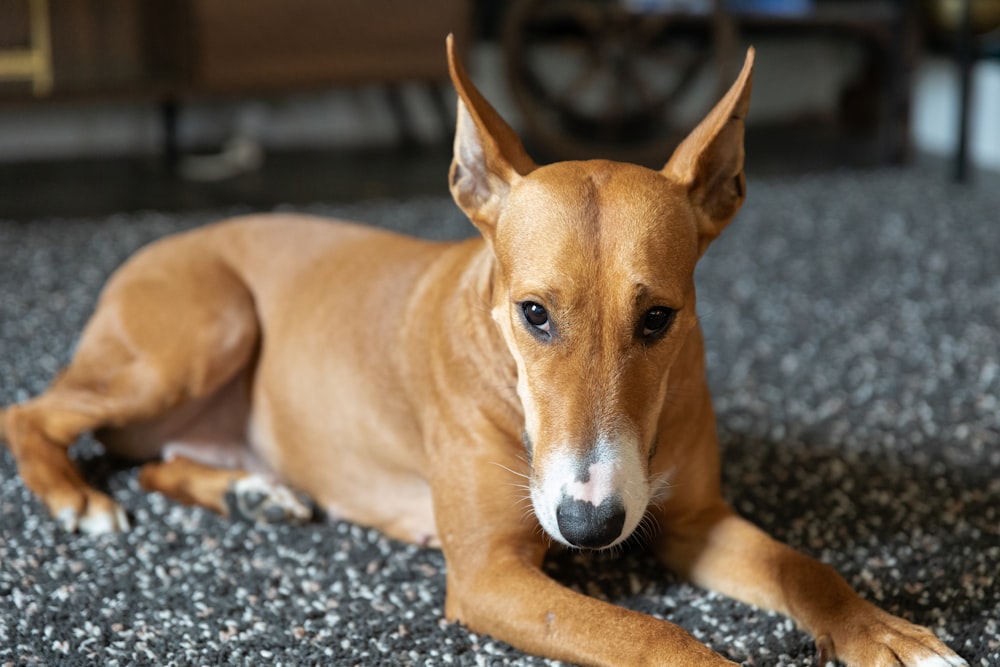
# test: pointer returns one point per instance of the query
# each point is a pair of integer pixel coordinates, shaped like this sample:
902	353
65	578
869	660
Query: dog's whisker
528	513
648	528
525	498
511	471
614	550
524	459
660	486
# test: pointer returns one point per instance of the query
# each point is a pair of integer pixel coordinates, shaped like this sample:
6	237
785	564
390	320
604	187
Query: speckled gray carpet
853	326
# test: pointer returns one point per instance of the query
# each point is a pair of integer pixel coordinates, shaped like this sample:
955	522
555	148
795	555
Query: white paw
257	498
93	521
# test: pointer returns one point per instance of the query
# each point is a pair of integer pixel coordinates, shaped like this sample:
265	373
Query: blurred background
118	105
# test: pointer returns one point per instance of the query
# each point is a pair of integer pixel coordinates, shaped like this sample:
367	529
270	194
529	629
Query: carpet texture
852	325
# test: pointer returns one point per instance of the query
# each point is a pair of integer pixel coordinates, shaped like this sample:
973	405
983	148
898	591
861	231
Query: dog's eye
656	321
536	315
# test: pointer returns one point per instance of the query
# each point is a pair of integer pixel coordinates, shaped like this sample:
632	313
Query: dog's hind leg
173	326
40	449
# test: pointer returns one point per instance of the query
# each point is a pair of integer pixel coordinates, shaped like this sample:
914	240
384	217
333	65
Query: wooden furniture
169	51
260	44
31	60
189	47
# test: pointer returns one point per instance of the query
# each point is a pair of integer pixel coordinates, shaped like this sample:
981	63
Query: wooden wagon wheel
595	79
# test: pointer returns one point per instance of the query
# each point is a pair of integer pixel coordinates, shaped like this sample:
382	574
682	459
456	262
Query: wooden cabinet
78	47
263	44
177	48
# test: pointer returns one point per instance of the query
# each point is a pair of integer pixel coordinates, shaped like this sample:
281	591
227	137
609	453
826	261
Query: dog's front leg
511	599
719	550
496	586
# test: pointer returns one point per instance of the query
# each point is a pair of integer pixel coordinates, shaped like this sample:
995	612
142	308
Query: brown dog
430	389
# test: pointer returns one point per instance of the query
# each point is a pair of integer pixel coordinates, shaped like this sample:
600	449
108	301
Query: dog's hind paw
93	521
257	498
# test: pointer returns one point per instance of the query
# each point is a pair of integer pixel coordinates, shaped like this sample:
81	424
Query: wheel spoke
552	14
590	72
577	86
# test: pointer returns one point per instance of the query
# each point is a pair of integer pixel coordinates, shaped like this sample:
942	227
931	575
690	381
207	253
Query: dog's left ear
488	155
709	162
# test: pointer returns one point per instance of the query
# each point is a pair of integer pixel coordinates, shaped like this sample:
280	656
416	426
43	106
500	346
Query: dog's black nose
584	524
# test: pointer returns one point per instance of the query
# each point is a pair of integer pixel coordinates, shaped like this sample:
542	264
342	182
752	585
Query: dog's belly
368	478
210	429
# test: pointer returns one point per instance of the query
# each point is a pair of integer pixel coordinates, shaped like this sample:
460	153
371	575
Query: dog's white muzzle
594	499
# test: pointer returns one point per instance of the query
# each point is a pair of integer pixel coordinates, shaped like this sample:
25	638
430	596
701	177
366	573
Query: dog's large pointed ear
488	156
709	162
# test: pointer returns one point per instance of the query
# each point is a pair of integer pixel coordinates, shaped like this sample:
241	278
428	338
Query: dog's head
594	296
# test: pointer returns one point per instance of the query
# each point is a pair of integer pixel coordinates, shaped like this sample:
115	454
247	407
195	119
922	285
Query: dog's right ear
488	155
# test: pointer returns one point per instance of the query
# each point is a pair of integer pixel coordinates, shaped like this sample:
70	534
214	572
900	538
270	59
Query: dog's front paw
256	498
879	639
